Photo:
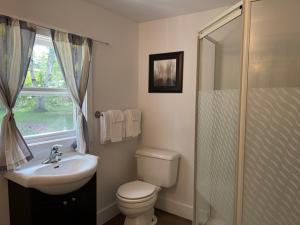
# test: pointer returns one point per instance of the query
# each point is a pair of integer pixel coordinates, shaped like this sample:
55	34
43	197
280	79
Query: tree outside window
44	105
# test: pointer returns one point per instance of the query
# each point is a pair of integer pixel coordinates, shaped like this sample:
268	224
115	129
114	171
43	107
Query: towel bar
98	114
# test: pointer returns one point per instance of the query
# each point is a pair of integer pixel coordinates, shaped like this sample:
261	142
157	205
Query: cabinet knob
65	202
74	199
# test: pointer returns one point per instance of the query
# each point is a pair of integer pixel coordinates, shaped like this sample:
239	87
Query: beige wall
114	68
169	119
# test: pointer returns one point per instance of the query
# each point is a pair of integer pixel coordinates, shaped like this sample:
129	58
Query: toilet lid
136	189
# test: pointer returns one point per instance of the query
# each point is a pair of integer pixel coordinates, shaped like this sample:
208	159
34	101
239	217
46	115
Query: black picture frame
164	82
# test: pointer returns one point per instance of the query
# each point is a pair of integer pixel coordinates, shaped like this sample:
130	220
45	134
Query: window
44	105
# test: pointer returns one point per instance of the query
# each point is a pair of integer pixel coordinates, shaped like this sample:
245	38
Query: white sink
69	174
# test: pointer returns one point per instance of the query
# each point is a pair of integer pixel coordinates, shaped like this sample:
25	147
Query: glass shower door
217	127
272	149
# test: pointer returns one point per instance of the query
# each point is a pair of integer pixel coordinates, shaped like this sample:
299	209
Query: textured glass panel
272	151
217	141
218	115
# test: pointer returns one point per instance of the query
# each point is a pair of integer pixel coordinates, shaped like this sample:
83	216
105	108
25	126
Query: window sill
46	141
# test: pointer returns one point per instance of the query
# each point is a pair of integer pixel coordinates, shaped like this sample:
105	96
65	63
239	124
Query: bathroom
212	141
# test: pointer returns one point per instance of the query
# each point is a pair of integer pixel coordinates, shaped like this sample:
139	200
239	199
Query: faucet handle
55	148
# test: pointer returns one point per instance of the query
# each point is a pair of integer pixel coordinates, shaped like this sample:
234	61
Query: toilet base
147	218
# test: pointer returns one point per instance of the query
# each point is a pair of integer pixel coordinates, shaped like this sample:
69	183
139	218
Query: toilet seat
136	191
134	201
137	205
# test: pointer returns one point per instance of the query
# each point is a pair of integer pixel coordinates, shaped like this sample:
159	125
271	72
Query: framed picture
166	72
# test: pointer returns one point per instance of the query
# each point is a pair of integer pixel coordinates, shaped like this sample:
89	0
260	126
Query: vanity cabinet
32	207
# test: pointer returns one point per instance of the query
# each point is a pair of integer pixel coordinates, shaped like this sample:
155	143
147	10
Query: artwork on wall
166	72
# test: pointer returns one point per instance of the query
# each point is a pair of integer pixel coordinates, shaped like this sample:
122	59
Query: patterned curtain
16	45
74	55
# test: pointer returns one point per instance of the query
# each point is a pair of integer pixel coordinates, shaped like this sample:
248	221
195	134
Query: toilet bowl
136	200
156	168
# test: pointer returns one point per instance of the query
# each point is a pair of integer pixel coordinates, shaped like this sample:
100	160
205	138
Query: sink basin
65	176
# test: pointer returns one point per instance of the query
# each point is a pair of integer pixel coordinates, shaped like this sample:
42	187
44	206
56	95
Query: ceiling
145	10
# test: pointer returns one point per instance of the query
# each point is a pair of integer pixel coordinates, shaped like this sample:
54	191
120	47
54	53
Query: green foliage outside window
43	114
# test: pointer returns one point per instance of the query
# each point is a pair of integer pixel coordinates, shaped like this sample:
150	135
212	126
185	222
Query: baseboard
107	213
165	204
175	207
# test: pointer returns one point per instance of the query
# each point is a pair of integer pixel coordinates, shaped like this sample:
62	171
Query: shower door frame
241	8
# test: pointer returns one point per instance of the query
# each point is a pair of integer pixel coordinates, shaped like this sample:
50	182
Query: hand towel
116	125
132	122
104	128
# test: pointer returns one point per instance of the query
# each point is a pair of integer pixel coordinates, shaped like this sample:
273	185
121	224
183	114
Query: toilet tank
157	166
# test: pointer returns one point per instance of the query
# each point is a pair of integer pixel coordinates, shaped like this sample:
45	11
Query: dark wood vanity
31	207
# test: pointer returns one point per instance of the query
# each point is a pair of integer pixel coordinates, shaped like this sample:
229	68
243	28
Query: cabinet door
76	208
31	207
83	205
50	210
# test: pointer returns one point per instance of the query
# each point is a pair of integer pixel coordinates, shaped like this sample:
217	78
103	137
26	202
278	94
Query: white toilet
156	169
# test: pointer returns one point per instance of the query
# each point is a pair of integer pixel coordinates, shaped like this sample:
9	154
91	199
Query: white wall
114	82
169	119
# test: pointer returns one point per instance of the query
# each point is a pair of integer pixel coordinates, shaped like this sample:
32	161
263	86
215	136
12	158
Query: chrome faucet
54	155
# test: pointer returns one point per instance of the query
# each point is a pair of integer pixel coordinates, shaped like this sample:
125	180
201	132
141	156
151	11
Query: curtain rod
55	28
47	28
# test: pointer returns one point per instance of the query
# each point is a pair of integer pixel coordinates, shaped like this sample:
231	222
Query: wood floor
163	218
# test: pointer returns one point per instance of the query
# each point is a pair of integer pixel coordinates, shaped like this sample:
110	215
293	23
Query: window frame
40	138
51	137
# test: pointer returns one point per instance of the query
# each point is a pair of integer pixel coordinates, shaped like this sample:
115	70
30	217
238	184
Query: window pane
44	70
43	114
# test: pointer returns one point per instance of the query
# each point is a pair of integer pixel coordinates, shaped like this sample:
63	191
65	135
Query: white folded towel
104	128
116	125
132	122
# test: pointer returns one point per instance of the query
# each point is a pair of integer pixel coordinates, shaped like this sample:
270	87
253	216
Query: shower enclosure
248	116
